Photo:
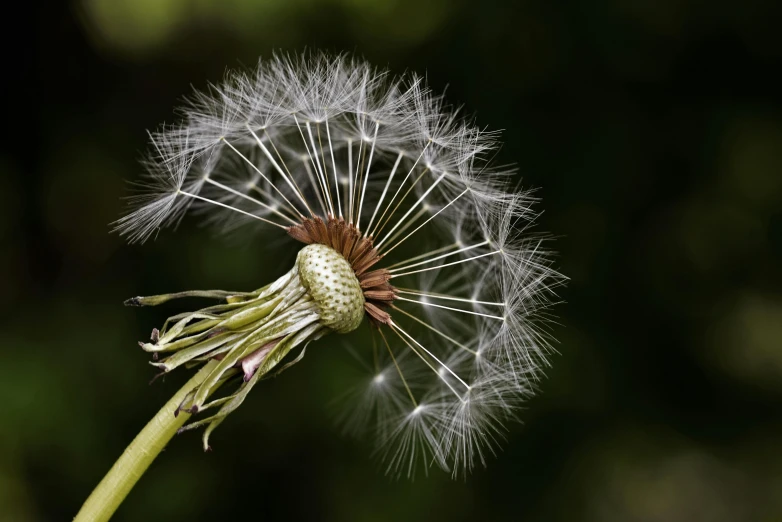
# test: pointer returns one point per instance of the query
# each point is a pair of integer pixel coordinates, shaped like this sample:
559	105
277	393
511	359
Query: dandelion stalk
445	270
123	475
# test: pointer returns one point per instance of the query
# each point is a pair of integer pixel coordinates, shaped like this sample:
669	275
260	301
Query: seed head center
333	285
346	242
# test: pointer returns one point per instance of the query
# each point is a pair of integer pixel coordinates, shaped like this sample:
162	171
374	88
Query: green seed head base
332	284
330	289
360	254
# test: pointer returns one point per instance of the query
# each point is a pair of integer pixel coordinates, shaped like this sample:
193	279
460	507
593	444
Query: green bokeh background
654	131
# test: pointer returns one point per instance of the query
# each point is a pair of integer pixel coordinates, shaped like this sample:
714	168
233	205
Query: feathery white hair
334	138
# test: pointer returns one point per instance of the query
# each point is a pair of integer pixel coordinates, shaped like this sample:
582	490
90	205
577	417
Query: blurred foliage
143	27
654	131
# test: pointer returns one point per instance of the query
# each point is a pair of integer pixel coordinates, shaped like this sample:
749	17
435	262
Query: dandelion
401	224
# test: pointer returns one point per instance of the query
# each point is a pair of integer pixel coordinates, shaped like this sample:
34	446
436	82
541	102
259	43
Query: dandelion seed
399	220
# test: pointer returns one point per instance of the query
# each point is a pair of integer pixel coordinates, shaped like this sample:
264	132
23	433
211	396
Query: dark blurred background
654	131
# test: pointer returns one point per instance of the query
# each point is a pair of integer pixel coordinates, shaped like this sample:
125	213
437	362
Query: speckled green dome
331	282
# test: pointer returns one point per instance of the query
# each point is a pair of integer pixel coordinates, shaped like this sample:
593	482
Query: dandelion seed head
437	242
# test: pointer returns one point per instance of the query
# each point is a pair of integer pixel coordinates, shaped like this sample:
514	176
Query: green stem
123	475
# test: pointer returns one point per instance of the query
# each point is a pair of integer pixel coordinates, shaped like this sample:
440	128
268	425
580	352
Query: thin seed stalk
252	333
137	457
127	470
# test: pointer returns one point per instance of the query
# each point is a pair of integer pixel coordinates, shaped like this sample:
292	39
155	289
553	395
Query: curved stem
134	461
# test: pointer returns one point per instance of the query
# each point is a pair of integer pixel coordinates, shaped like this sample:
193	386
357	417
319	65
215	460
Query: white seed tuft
317	136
